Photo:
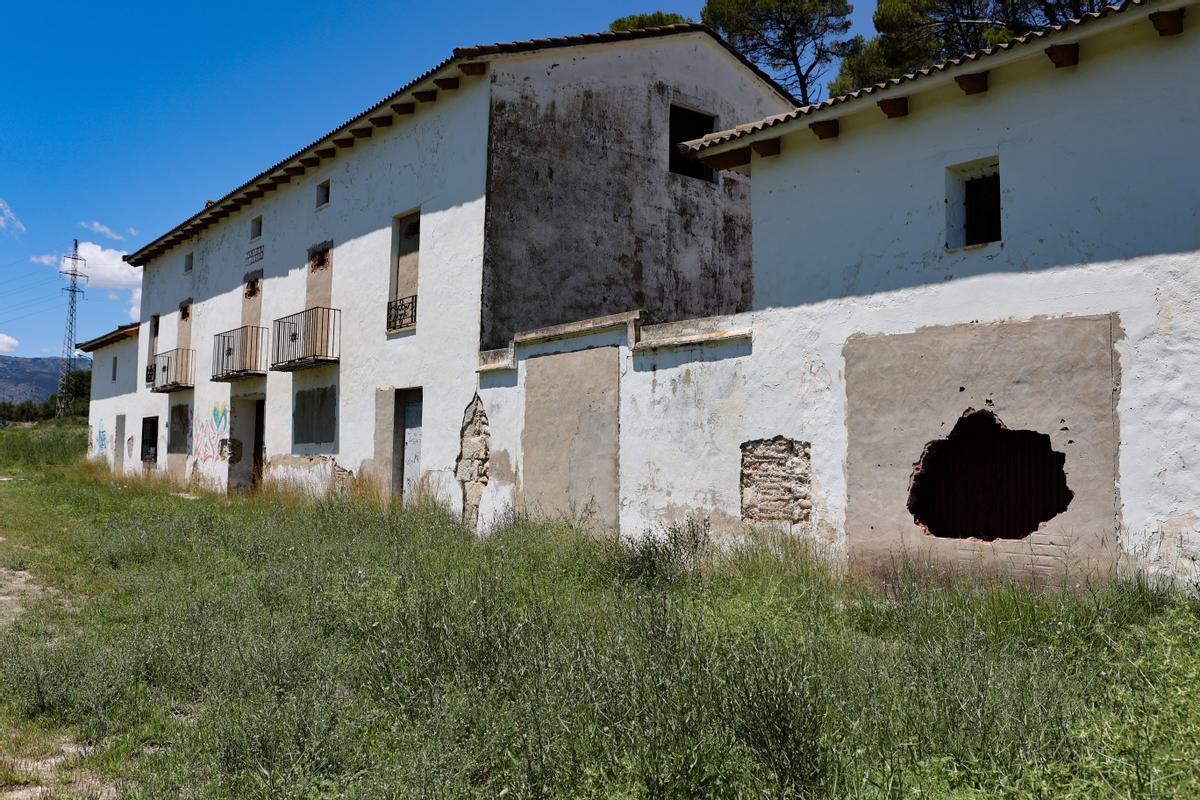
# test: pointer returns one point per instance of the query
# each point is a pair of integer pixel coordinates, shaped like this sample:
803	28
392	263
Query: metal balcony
239	354
311	338
173	370
402	313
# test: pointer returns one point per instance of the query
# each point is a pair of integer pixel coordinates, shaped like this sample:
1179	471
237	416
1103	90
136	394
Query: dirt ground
45	768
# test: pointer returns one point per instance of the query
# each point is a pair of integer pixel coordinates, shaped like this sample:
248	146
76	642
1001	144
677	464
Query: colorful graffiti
101	438
208	432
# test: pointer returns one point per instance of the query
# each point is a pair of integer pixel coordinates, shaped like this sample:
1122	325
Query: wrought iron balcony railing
174	370
402	313
307	339
240	353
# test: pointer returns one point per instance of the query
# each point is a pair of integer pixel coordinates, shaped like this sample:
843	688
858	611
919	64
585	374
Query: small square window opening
685	125
185	311
188	260
322	193
255	228
320	257
973	203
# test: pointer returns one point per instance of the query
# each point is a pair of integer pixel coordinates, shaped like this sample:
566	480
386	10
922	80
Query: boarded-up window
179	436
314	419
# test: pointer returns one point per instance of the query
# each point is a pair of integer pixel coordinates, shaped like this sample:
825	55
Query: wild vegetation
264	647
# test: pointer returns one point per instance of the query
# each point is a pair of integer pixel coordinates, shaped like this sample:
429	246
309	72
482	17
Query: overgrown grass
47	443
264	648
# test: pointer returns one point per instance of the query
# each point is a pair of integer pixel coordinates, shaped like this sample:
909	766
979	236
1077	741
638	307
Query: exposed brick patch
776	475
471	469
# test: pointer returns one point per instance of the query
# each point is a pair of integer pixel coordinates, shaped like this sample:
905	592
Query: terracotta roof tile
749	128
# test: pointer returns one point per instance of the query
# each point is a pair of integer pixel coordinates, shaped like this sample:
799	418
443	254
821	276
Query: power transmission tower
72	268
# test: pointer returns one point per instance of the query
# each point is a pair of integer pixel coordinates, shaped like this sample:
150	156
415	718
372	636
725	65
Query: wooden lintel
295	169
473	68
766	147
825	128
728	159
362	133
310	160
1063	55
894	107
325	152
426	95
446	83
382	121
1168	23
404	108
973	83
344	141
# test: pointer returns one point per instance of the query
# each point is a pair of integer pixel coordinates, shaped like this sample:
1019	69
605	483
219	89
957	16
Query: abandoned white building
970	327
510	187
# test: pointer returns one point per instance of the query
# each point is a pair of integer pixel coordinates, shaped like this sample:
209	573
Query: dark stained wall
584	217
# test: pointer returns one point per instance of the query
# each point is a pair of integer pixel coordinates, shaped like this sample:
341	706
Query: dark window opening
179	434
150	439
314	419
114	368
320	257
322	193
154	326
185	310
987	482
686	125
256	228
252	287
187	262
981	201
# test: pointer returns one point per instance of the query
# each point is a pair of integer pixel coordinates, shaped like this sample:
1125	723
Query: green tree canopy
652	20
912	34
794	40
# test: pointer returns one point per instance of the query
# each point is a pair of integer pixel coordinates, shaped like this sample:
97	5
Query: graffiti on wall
101	438
208	431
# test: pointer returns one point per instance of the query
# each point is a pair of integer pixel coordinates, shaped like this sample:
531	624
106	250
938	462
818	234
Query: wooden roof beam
294	169
766	147
362	133
973	83
311	160
825	128
446	83
326	152
729	159
382	121
344	141
894	107
473	68
1168	23
426	95
1063	55
404	108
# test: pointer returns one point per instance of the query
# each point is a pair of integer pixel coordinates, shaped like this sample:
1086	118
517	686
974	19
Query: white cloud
8	220
132	230
95	226
135	304
8	343
112	296
50	260
104	267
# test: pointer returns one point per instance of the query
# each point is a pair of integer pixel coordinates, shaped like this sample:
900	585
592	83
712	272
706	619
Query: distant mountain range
33	379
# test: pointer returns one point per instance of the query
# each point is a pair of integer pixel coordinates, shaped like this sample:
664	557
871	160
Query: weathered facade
967	333
281	336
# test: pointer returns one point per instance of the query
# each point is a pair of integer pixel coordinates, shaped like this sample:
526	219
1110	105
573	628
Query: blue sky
117	121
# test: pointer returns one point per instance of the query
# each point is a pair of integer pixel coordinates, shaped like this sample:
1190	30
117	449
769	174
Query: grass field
265	648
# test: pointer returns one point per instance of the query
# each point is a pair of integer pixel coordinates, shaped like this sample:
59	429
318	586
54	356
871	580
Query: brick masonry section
776	474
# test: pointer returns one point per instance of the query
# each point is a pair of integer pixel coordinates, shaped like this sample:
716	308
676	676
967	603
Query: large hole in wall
987	482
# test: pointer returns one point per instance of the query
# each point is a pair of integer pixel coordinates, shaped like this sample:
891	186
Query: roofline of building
735	140
463	62
127	331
